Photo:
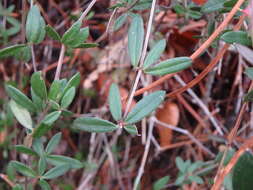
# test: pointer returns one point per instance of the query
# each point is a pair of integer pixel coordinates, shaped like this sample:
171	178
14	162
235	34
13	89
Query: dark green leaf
145	106
55	91
61	160
132	129
239	37
155	53
169	66
243	172
38	102
115	102
35	25
73	82
213	5
71	32
86	45
23	169
51	118
21	114
25	150
51	32
161	183
135	39
56	171
68	97
119	22
42	165
248	97
38	85
24	54
44	185
40	130
54	141
79	38
12	50
20	98
92	124
249	72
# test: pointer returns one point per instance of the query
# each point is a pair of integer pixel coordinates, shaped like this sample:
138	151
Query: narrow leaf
23	169
42	165
44	185
161	183
73	82
119	22
61	160
145	106
213	5
169	66
132	129
239	37
40	130
55	91
68	97
12	50
25	150
135	39
86	45
92	124
21	114
56	171
51	32
38	85
51	118
115	102
155	53
54	141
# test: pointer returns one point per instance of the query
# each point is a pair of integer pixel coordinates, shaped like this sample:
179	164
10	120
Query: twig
7	180
87	9
60	62
33	59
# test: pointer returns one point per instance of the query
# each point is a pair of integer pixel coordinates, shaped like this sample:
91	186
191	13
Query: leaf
196	165
79	38
40	130
24	54
38	146
51	118
92	124
249	72
196	179
20	98
35	26
239	37
248	97
56	171
21	114
155	53
42	165
55	90
145	106
18	187
23	169
86	45
25	150
120	21
213	5
51	32
135	39
73	82
115	102
180	164
169	66
61	160
161	183
180	180
132	129
44	185
68	97
242	173
12	50
38	102
54	141
71	32
38	85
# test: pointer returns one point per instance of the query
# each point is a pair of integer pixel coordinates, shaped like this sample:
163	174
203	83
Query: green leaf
169	66
249	72
40	130
239	37
92	124
86	45
71	32
55	90
120	21
21	114
132	129
51	32
180	180
38	146
38	102
196	179
161	183
213	5
61	160
38	85
20	98
79	38
196	165
56	171
180	164
35	26
248	97
155	53
135	39
12	50
44	185
24	54
68	97
145	106
73	82
25	150
243	172
42	165
115	102
23	169
54	141
18	187
51	118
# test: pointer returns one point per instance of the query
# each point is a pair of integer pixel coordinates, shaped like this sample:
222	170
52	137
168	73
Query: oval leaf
73	82
21	114
239	37
79	38
169	66
61	160
56	171
135	39
51	118
12	50
38	85
25	150
23	169
51	32
55	90
161	183
40	130
115	102
54	141
71	32
68	97
155	53
92	124
145	106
